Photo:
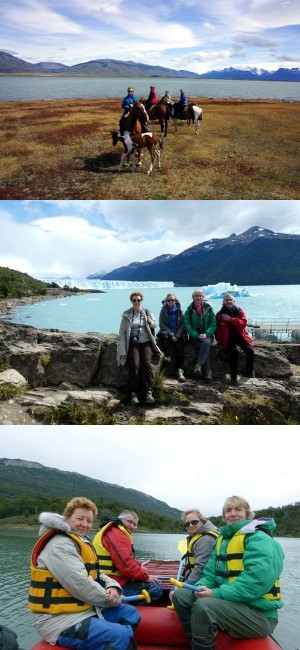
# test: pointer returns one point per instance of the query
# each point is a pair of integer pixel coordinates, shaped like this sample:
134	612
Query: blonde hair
171	294
238	501
197	291
80	502
136	293
196	511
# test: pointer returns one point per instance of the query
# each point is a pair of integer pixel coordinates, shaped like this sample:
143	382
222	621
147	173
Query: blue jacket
128	102
183	99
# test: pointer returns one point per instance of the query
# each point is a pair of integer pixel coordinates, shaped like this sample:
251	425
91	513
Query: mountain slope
102	67
26	478
257	256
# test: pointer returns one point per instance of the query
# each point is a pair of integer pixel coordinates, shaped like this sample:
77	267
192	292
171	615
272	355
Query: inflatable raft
160	626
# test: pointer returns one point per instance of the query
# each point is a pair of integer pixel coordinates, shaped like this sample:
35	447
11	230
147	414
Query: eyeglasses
171	300
136	300
228	300
131	91
194	522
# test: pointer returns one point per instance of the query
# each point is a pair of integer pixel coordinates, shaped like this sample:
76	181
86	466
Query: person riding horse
152	99
127	105
179	107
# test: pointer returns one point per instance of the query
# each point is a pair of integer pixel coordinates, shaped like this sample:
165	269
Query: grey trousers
202	617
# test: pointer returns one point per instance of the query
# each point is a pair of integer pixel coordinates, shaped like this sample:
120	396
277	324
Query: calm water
28	88
101	312
15	549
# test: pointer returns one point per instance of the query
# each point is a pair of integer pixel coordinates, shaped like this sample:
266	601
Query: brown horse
191	113
160	112
132	122
134	142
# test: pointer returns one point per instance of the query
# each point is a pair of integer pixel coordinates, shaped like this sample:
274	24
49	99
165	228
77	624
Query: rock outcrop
64	368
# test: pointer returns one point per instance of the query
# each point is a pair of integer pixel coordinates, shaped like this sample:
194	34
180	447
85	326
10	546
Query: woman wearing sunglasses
136	345
201	539
171	334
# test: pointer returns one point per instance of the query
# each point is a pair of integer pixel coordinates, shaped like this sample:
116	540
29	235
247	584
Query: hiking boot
233	380
180	374
207	376
149	397
198	370
134	398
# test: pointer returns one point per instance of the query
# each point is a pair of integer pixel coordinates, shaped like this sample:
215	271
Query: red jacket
239	322
121	552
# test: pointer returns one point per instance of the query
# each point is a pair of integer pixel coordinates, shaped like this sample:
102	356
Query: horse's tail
161	144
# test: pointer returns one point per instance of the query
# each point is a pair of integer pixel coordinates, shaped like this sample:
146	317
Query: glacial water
23	88
101	312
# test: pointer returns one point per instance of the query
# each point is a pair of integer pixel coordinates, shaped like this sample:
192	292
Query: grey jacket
202	551
61	556
125	330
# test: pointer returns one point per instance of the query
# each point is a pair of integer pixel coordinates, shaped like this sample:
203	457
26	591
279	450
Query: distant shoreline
9	305
132	76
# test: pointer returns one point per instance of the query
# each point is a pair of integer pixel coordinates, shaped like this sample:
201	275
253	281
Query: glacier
103	285
211	291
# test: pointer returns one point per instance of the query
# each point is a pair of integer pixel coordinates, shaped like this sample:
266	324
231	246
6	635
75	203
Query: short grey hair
128	513
196	511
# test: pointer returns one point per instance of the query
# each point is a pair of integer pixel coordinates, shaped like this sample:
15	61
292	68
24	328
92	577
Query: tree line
25	510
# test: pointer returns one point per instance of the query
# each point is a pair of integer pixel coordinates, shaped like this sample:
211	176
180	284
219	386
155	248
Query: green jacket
263	563
195	325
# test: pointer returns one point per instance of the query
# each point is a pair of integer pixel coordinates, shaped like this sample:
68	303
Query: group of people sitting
137	342
128	101
78	586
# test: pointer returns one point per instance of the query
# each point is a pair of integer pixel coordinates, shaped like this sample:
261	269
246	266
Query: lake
16	546
23	88
101	312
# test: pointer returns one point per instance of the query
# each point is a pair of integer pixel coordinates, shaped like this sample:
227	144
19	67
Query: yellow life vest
189	555
46	594
104	558
235	565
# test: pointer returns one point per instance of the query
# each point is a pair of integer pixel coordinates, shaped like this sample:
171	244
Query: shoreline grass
62	149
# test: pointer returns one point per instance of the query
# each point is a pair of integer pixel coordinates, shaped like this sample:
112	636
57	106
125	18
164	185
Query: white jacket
61	556
125	330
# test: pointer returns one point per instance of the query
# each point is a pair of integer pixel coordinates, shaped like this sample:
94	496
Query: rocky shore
54	373
8	305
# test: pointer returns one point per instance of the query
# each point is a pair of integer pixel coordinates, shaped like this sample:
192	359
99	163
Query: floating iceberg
217	291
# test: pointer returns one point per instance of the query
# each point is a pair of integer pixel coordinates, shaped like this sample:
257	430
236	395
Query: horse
134	142
161	113
191	113
132	123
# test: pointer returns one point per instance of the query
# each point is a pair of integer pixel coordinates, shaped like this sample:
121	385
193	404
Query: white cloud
82	237
167	475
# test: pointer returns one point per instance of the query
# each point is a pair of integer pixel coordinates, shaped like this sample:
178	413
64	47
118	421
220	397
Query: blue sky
181	34
77	238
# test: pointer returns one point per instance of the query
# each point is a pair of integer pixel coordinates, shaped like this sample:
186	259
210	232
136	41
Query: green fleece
195	325
263	563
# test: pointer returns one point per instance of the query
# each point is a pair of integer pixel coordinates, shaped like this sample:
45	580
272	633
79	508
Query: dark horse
191	113
162	113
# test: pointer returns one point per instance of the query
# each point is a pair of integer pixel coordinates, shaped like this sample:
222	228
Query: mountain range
10	64
257	256
20	478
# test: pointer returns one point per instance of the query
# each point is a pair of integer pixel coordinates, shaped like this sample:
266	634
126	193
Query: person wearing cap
152	99
179	107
